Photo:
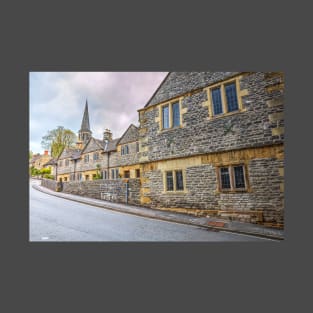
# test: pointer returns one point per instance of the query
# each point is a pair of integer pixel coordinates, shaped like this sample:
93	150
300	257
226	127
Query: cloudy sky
58	99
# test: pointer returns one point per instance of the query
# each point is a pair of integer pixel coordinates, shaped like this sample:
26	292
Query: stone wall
199	134
178	83
264	194
49	183
110	190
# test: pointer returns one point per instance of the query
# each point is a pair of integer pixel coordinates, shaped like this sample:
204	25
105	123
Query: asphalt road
56	219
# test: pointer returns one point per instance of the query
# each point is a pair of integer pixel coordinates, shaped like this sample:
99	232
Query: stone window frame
67	162
95	156
60	163
124	174
239	92
170	106
137	172
232	178
86	158
175	191
125	149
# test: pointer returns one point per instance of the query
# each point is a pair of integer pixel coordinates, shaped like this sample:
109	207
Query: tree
58	139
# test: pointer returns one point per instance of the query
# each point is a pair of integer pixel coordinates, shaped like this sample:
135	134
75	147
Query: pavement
206	222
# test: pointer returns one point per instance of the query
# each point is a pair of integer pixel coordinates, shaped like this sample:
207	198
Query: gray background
158	277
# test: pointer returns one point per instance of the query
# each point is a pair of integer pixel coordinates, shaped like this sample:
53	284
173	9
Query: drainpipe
108	165
126	193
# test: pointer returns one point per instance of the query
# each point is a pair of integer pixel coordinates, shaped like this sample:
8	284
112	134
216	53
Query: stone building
39	161
215	141
208	142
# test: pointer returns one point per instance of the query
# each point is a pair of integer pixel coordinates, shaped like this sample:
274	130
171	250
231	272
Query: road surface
56	219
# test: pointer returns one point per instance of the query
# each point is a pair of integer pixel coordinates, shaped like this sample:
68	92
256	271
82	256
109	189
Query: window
60	163
96	156
137	147
65	178
86	158
137	173
176	114
79	176
232	178
231	96
165	117
94	176
72	177
86	177
126	174
225	97
170	115
104	175
66	162
169	181
116	173
174	180
217	101
124	150
112	174
179	180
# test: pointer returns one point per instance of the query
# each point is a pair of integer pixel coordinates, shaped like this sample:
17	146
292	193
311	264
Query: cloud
58	98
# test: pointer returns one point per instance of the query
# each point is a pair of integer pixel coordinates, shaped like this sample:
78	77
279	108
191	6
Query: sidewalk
209	223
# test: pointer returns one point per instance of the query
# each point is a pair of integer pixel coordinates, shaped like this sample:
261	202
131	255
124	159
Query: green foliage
44	171
49	176
58	139
98	174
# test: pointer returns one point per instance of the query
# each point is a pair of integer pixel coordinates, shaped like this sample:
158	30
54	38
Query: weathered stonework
110	190
252	135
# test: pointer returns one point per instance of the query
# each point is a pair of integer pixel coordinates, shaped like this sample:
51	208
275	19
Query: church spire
85	122
84	133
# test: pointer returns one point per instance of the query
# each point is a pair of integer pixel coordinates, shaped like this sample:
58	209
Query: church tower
84	134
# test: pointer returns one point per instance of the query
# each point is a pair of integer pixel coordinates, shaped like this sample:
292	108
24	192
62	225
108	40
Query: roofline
180	95
157	89
126	132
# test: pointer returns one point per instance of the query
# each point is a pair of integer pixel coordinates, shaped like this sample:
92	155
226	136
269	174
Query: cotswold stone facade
208	142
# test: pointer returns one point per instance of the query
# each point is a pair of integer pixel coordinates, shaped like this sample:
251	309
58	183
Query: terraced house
208	142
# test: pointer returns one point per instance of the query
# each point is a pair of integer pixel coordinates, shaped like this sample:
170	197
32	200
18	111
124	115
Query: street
56	219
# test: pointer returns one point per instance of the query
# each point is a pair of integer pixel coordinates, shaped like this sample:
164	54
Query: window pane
165	117
169	181
176	115
239	177
179	180
112	174
231	96
225	178
116	173
217	101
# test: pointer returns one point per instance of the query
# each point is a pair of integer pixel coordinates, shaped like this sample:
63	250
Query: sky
58	99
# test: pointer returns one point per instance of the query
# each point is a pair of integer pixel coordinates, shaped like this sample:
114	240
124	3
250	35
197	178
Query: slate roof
70	153
179	83
111	145
130	135
51	162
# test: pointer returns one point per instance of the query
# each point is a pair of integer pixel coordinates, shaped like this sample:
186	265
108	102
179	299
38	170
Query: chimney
46	152
107	135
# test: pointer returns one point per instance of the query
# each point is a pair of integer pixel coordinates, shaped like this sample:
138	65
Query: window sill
214	117
164	130
182	192
223	191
